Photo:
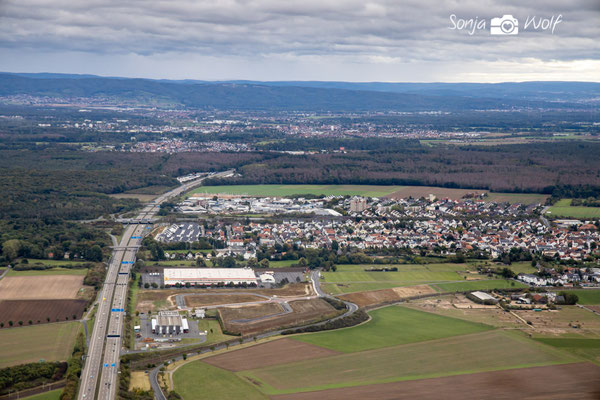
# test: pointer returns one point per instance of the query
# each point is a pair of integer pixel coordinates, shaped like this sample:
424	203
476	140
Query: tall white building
358	204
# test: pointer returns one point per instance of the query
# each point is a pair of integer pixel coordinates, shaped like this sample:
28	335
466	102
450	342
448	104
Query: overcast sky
350	40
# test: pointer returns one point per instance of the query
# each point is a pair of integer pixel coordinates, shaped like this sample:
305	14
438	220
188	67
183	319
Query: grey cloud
405	31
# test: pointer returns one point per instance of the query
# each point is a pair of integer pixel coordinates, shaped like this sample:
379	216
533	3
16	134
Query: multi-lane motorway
99	378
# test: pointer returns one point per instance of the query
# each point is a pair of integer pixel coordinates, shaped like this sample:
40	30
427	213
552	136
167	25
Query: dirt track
381	296
209	300
568	382
304	312
272	353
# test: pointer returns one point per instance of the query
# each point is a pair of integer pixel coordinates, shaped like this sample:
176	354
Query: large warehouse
209	276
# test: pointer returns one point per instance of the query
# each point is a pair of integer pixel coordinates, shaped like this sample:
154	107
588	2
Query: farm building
482	297
169	322
209	276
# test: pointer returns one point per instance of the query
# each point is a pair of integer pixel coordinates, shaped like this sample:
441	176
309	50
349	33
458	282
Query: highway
316	284
100	371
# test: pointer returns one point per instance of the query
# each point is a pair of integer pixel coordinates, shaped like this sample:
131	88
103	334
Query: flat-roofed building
209	276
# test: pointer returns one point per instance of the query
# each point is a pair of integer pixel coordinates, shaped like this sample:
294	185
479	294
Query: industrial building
169	323
209	276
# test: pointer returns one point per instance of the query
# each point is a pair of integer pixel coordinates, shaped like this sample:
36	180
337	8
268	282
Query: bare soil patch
458	306
572	381
277	352
304	312
211	300
251	311
40	310
567	319
40	287
383	296
440	193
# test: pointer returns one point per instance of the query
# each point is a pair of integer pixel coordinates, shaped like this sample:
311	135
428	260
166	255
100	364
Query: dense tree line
508	168
75	363
26	376
350	320
50	238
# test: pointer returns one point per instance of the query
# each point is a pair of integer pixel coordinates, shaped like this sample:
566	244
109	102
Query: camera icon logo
507	25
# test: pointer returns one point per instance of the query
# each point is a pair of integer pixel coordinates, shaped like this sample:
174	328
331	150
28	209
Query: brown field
440	193
158	299
563	321
458	306
572	381
40	287
305	311
40	310
382	296
139	380
251	311
277	352
211	300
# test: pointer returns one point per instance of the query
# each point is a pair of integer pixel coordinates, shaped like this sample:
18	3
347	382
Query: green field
391	326
407	274
52	271
443	277
198	380
216	335
563	208
486	351
585	348
477	285
587	296
51	395
343	288
54	263
291	190
522	198
522	267
50	342
281	263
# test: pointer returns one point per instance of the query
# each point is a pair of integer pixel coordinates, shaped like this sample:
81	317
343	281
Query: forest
539	168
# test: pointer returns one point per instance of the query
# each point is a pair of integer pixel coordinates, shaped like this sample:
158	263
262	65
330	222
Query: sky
326	40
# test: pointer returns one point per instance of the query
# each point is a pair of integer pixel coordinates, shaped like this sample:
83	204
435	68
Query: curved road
314	277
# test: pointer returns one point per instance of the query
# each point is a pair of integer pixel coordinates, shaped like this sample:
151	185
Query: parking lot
182	232
146	331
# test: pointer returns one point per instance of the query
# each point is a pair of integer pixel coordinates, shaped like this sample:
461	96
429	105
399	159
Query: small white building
267	277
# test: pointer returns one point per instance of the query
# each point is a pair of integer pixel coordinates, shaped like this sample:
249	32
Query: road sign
118	310
126	262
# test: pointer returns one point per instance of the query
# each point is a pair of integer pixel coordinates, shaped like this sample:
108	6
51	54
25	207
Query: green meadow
391	326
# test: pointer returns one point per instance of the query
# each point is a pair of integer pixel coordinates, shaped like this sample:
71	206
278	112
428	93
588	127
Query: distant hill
302	96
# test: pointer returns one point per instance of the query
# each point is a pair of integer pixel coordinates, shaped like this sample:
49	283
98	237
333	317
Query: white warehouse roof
483	296
208	275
